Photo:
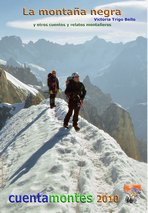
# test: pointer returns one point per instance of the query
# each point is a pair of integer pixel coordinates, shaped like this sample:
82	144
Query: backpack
74	96
48	79
68	80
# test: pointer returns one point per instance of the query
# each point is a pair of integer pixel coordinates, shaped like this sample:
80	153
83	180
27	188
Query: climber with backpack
53	84
75	92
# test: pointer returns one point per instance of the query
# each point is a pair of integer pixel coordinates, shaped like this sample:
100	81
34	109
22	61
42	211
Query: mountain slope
15	95
117	122
96	97
22	73
125	78
8	110
40	156
112	118
138	113
14	91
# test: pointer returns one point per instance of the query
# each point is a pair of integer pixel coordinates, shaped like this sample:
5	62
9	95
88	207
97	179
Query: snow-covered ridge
40	156
14	107
38	71
3	62
20	85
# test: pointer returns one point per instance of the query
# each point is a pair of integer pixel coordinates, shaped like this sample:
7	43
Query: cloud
126	4
137	9
122	31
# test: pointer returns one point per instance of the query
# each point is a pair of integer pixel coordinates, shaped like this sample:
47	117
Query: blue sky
13	22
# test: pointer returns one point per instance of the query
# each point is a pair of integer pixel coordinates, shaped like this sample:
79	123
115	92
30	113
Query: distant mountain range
85	58
125	78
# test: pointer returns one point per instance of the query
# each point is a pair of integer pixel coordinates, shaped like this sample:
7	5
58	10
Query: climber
75	92
53	85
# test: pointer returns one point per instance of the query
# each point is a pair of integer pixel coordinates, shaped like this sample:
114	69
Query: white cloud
137	9
122	31
136	4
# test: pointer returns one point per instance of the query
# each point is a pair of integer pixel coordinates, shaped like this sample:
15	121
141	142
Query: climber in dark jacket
53	85
75	91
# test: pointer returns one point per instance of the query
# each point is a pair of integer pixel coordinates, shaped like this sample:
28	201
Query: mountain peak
43	42
12	40
141	38
95	40
87	80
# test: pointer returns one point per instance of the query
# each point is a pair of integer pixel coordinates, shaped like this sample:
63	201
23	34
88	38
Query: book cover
73	106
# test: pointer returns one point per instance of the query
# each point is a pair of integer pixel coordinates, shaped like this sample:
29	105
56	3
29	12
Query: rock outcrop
117	122
15	95
96	97
112	118
11	93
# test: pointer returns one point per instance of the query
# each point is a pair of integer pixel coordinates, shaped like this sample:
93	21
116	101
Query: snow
40	156
20	85
120	106
39	72
104	67
20	64
37	67
142	104
14	107
62	80
3	62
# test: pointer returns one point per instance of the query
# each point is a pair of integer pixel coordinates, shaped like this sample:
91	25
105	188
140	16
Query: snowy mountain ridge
40	156
15	91
20	84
